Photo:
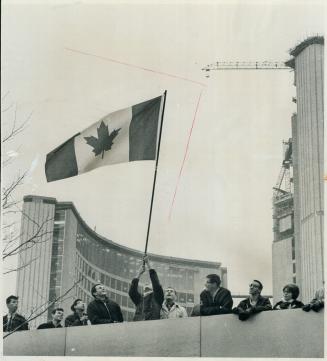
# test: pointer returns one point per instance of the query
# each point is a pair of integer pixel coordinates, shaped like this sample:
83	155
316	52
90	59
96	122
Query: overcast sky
72	62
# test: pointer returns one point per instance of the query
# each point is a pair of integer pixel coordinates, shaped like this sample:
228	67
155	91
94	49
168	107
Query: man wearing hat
148	305
79	317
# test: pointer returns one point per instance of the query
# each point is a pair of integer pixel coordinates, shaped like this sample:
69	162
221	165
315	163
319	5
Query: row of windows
293	248
107	259
123	299
123	286
176	281
115	284
111	282
60	216
126	266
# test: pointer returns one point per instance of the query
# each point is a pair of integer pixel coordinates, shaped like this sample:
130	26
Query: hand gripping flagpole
155	174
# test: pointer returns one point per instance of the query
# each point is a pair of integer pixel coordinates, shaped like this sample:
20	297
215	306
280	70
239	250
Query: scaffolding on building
284	184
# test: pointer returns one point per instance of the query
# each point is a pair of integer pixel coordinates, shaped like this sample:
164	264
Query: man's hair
72	307
57	309
294	289
12	297
93	289
260	284
172	288
214	278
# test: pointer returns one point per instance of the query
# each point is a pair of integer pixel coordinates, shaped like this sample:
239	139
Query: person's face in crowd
12	306
254	288
210	286
100	291
58	316
170	294
80	306
287	294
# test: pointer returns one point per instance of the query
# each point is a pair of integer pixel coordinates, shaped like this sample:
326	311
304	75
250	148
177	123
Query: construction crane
283	186
246	65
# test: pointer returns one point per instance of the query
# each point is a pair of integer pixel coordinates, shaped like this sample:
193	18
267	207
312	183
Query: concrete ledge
48	342
284	333
287	333
144	338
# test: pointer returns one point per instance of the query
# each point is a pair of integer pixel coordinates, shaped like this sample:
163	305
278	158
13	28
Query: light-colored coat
176	311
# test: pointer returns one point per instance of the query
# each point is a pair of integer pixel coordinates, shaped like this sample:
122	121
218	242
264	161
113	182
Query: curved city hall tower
68	250
308	163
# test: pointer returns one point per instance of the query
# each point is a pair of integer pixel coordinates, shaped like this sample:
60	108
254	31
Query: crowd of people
157	303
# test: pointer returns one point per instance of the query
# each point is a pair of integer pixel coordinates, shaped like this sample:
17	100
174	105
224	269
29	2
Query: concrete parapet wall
287	333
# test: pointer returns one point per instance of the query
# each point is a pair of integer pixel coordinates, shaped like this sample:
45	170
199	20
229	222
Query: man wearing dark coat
57	316
253	304
13	321
78	317
148	305
215	300
103	310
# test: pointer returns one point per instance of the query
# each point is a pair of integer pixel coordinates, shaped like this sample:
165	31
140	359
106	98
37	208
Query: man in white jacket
171	309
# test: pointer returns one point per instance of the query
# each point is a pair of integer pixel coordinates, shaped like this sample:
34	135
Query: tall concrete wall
297	202
309	73
34	259
69	256
287	333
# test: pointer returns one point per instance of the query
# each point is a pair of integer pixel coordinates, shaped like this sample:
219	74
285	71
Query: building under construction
301	254
297	250
283	248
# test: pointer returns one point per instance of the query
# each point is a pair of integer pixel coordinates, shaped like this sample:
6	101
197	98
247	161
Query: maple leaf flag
126	135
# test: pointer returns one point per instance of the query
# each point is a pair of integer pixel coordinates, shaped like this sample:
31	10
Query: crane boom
246	65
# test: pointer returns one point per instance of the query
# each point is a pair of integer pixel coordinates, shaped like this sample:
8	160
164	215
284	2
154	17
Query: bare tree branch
30	242
8	225
6	109
35	238
11	211
6	162
21	267
8	191
10	203
4	96
9	244
16	129
28	246
33	220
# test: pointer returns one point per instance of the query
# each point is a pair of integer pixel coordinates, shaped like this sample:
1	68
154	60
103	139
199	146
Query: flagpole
155	173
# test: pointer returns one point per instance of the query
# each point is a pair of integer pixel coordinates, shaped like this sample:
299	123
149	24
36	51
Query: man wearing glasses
254	303
215	300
